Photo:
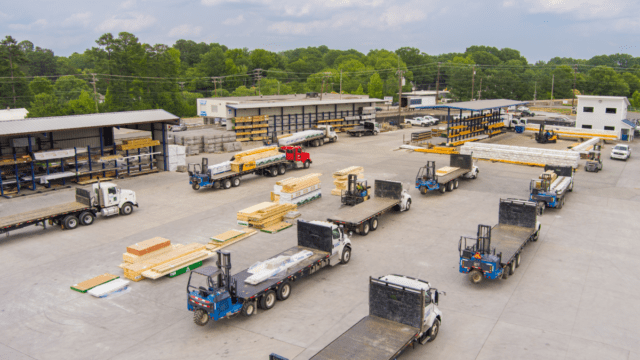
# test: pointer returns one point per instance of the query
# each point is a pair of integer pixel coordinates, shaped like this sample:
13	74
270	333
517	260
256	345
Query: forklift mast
483	244
352	183
427	172
224	277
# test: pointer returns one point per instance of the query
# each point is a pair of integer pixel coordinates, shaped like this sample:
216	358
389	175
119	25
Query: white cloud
78	19
581	9
130	23
185	30
38	23
399	15
128	4
234	21
3	15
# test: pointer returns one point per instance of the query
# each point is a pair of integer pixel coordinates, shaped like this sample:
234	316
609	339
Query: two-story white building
605	113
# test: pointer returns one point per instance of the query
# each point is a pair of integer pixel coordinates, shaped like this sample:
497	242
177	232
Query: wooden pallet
87	285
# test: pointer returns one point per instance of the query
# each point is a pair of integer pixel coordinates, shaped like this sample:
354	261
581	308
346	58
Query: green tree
359	91
635	100
41	85
633	81
603	80
45	105
69	88
213	62
15	90
243	91
84	104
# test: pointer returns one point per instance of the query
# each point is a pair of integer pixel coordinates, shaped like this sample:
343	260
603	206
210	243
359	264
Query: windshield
199	282
620	147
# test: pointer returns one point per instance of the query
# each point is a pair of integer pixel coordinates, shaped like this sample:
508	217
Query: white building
13	114
605	113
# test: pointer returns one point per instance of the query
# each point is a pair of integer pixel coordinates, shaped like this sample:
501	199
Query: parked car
523	108
417	121
394	104
527	113
181	127
432	120
620	151
378	109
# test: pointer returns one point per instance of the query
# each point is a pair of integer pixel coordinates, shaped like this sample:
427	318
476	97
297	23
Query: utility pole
278	86
473	79
553	78
216	80
324	78
257	76
480	91
400	73
535	93
95	93
438	84
573	100
340	84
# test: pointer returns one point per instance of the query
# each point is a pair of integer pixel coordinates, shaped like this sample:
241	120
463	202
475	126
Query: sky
539	29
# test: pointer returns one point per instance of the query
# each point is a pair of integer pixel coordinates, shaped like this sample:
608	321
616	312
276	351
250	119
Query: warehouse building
605	113
35	152
418	98
13	114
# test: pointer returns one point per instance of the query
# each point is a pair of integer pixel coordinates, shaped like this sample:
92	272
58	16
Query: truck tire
282	169
307	164
87	218
273	171
518	258
512	268
236	181
284	291
455	183
443	188
408	205
268	300
450	186
476	276
365	228
249	308
195	186
423	190
346	255
126	209
70	222
433	332
200	317
226	184
505	272
334	139
374	224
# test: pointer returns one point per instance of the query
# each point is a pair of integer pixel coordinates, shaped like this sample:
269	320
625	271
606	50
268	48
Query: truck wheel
346	255
450	186
512	268
284	291
443	188
505	272
268	300
423	190
273	171
282	170
195	186
86	218
126	209
227	184
365	229
200	317
408	205
435	328
249	308
374	224
455	183
236	181
307	164
70	222
476	276
518	260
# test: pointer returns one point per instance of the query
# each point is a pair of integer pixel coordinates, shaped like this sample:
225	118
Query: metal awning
477	105
267	104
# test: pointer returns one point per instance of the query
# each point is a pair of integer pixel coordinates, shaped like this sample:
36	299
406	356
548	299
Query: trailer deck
452	175
41	214
509	239
247	290
358	213
372	338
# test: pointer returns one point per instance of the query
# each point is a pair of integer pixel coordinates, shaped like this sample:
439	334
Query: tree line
121	73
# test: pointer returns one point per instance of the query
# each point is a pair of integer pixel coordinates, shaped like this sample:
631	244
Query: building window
587	127
611	128
587	109
610	110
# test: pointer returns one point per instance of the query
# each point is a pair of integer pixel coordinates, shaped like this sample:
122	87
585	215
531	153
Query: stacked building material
298	191
137	144
243	215
342	177
585	147
572	132
177	156
250	159
156	257
228	237
87	285
264	215
521	155
109	288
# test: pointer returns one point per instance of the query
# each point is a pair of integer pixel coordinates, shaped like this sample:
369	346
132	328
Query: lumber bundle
87	285
298	191
291	185
570	132
264	214
243	215
445	170
228	237
342	177
251	158
19	160
137	144
521	155
148	246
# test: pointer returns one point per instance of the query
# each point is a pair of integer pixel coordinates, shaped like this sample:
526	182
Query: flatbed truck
363	217
366	128
212	293
315	137
446	178
496	251
551	190
403	311
202	175
104	198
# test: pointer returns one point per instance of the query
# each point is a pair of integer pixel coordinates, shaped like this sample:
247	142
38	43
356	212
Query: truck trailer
403	311
314	137
365	128
446	178
495	252
363	217
221	176
552	187
212	293
104	198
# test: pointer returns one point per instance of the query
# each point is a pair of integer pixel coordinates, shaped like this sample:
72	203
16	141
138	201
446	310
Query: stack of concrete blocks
521	155
342	177
176	157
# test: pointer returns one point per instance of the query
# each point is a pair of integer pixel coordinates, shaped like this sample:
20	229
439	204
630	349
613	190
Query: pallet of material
175	256
445	170
214	244
109	288
243	215
19	160
138	145
91	181
179	265
87	285
147	246
277	227
291	185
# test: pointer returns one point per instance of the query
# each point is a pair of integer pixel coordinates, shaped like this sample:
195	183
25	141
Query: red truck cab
295	153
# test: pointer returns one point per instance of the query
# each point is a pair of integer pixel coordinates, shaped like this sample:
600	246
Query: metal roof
13	114
60	123
629	123
476	105
301	103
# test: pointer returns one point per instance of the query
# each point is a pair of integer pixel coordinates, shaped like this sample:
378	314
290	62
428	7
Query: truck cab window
112	191
336	233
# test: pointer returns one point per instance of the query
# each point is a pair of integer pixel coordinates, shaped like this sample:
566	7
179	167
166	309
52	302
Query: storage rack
471	128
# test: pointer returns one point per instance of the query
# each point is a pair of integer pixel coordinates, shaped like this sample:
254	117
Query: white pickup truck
422	121
621	151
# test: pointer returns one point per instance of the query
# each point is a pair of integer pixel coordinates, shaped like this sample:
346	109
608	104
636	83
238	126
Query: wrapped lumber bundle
298	191
270	216
249	159
521	155
342	176
243	215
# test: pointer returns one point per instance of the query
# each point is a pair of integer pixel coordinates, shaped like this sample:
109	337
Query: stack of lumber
342	177
256	157
571	132
243	215
551	173
156	257
265	215
445	170
19	160
87	285
137	144
298	191
228	237
521	155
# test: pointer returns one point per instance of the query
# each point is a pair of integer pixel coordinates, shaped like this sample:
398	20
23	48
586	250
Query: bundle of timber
243	215
571	132
256	157
156	257
87	285
342	177
137	144
521	155
551	173
264	215
228	237
298	191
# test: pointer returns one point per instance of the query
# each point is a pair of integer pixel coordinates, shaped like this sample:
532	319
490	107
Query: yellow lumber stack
342	177
250	156
553	175
243	215
271	215
291	185
137	144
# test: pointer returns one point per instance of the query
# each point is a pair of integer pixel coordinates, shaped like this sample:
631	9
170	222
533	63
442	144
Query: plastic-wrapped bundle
273	267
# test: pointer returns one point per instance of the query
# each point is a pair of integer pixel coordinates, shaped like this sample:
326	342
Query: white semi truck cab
109	199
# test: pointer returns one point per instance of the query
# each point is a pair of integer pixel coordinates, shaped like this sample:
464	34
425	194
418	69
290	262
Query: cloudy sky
540	29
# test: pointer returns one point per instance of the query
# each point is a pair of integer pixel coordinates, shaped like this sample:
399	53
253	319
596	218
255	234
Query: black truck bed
358	213
508	239
372	338
246	291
